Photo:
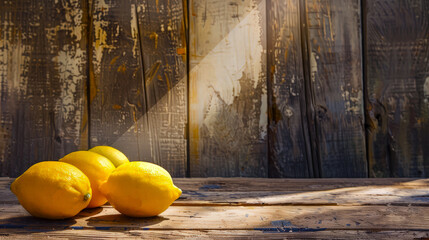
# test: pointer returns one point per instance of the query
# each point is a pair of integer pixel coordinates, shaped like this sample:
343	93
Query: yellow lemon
96	167
52	190
140	189
113	154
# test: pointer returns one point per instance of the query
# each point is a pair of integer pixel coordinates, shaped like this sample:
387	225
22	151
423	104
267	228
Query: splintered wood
249	207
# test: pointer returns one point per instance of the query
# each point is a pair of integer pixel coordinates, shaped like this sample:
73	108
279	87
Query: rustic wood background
254	88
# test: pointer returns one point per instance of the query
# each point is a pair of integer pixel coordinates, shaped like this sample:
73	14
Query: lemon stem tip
86	197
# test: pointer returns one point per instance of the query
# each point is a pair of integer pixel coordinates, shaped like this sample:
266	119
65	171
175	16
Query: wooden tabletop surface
249	208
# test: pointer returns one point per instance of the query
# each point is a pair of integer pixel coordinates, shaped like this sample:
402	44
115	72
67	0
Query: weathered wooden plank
229	192
334	46
163	45
289	184
43	69
227	88
397	81
398	196
117	96
279	185
288	137
264	218
210	234
143	115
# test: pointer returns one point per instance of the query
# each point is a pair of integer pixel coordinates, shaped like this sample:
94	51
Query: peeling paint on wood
397	57
144	115
117	101
334	42
228	98
275	86
288	134
42	81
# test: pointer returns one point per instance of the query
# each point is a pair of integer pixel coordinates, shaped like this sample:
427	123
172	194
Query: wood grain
227	88
290	184
397	53
263	218
299	192
138	85
289	146
367	208
216	234
142	115
43	113
334	46
359	196
275	87
163	45
117	94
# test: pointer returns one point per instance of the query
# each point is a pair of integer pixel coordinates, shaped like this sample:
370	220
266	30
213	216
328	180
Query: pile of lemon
88	179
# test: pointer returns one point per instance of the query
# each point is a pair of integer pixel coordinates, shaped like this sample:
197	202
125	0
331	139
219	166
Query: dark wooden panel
163	39
42	81
287	133
334	45
227	91
143	116
117	96
397	63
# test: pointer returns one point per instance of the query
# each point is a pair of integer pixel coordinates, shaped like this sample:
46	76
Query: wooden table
249	208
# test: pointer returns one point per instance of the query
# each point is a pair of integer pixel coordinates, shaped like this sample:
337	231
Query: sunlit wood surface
249	208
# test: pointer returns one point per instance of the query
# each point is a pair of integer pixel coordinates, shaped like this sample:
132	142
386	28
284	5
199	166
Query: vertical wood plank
43	111
138	104
397	58
227	88
334	43
163	39
117	96
289	144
